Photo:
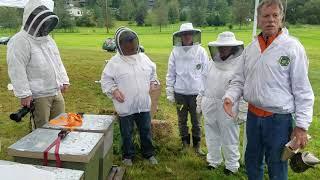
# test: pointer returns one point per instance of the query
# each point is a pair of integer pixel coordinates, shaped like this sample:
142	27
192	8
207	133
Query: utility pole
255	21
107	20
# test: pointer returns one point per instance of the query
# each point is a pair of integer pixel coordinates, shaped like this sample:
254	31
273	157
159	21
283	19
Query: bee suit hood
38	18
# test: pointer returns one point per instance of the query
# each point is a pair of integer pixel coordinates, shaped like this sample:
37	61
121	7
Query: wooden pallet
116	173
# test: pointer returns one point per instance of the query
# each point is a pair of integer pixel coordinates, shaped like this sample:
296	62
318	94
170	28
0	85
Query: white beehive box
79	150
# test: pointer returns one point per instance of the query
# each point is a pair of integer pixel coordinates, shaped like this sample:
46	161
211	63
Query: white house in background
75	11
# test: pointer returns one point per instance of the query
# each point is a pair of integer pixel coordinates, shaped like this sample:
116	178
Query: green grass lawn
84	61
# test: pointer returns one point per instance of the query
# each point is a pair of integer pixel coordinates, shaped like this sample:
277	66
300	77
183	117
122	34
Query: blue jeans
266	139
143	122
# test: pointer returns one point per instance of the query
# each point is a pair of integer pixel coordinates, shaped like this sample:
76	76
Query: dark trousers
143	122
188	104
267	137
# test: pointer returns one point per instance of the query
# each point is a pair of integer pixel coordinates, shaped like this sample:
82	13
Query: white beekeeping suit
34	64
222	131
35	68
186	63
132	75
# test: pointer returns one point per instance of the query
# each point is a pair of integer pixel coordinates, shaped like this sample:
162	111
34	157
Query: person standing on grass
34	64
222	131
273	78
127	79
186	64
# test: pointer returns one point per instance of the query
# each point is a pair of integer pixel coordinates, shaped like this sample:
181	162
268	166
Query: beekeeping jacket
34	64
132	75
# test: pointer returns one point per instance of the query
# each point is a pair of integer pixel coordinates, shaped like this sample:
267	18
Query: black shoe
210	167
185	143
199	152
227	172
186	139
196	146
185	147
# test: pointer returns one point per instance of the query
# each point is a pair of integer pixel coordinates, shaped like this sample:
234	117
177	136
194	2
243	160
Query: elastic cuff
170	96
215	165
156	82
169	89
24	96
229	97
305	127
111	90
234	170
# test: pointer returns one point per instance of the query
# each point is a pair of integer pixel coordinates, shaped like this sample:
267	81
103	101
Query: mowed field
84	60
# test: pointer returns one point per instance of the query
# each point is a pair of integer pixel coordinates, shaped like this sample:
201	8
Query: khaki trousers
47	108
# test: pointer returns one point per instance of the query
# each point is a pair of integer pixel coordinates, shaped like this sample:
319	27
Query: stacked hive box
97	124
60	173
79	150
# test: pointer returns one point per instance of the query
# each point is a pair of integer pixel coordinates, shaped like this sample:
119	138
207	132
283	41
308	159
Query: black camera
17	116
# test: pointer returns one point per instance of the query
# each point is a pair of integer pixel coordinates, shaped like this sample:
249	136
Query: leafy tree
105	13
184	14
140	11
219	14
10	18
126	10
312	9
98	15
184	3
241	11
116	3
161	14
91	3
303	11
150	19
198	12
86	20
173	11
109	23
66	21
294	9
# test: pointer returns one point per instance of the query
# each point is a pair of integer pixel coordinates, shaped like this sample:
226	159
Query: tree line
103	13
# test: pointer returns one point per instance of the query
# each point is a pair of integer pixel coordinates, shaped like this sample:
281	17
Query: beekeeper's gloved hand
199	99
170	94
243	111
171	99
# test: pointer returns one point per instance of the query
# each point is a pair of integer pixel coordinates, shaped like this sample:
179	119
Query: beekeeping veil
301	162
127	41
38	18
187	29
226	39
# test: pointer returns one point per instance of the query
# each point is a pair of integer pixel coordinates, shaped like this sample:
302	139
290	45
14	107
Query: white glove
243	110
171	99
198	102
170	94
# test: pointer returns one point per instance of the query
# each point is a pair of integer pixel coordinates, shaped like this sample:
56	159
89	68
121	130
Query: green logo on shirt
284	61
